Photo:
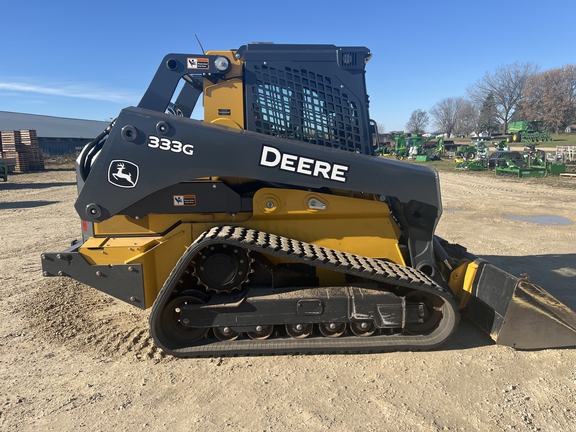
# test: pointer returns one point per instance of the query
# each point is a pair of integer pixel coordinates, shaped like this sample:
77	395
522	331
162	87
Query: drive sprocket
222	268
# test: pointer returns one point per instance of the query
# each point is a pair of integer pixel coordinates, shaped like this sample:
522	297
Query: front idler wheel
179	331
432	312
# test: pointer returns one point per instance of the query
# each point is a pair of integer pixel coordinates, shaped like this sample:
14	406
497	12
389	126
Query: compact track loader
270	227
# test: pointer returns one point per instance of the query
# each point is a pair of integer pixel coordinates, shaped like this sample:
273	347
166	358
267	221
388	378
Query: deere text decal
272	157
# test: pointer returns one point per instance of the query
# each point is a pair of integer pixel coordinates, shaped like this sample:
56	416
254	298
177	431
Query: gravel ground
73	358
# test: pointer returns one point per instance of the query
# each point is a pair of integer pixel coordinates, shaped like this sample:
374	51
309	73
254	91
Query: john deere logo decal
123	173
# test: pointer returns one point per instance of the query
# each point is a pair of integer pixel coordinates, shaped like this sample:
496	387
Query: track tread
294	250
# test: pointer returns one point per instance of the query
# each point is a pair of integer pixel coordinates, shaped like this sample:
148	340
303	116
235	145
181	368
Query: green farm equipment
534	164
397	149
466	151
476	157
400	149
409	145
527	131
534	158
539	159
422	149
501	145
509	167
556	168
472	165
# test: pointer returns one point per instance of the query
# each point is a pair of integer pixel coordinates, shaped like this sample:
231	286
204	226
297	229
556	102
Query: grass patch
448	165
563	140
59	162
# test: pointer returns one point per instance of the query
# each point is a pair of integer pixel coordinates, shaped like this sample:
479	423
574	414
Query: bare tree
506	85
418	122
445	114
551	98
466	118
380	132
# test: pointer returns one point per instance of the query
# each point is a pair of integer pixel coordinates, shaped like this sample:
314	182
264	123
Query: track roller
363	328
225	334
299	331
261	332
332	330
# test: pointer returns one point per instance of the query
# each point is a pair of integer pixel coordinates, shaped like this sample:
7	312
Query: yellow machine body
360	226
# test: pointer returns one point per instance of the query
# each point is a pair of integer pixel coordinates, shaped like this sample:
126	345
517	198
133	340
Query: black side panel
311	93
137	161
191	197
125	282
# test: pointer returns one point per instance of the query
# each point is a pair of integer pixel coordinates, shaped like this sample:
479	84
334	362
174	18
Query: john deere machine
413	146
535	163
270	227
475	158
527	131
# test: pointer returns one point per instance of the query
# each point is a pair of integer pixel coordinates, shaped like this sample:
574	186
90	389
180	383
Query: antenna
201	47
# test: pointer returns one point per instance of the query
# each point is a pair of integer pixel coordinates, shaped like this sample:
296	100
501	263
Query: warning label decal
197	63
184	200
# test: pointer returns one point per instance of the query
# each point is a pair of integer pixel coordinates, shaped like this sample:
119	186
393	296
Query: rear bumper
123	281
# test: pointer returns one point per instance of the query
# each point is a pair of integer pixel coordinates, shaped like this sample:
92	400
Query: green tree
488	120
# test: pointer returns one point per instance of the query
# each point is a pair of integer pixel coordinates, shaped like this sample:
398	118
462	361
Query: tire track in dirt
68	313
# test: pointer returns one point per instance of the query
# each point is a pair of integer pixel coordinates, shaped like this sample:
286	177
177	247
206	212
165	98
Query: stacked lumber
36	157
12	147
22	145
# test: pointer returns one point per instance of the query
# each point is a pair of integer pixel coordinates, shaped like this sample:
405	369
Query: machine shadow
25	204
556	273
467	336
21	186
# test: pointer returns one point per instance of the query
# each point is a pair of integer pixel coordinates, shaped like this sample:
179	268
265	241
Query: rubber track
297	251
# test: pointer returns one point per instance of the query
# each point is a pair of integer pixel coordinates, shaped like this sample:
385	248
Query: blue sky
89	59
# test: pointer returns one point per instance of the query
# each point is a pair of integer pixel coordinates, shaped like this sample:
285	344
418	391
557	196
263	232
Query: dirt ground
75	359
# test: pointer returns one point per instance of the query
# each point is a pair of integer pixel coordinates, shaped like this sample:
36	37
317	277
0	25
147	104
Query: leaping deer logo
120	174
123	173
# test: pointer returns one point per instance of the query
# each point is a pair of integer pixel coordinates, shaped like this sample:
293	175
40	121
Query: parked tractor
527	131
474	157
